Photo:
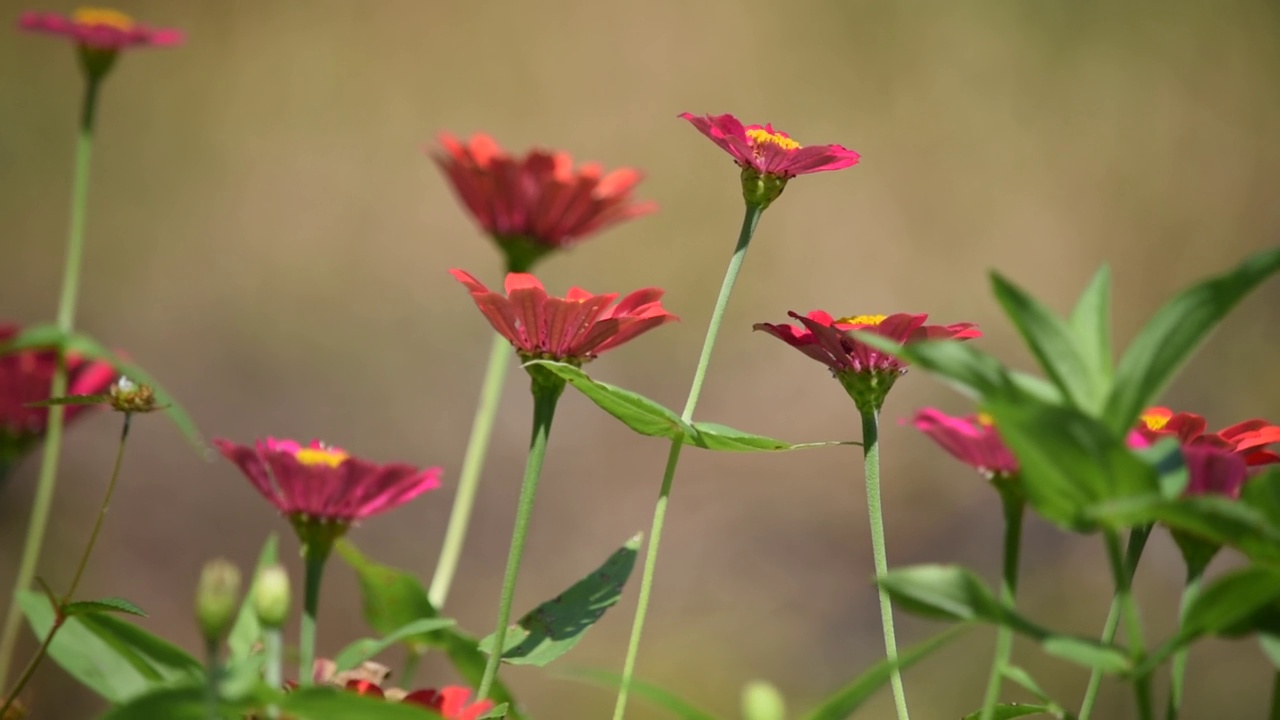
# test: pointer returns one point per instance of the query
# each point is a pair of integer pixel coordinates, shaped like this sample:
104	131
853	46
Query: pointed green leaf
634	410
1230	600
1088	653
555	626
1015	710
367	648
117	660
319	702
103	605
1052	343
849	698
1091	323
89	347
36	337
1270	645
656	695
1175	331
714	436
246	631
186	702
762	701
1023	679
499	712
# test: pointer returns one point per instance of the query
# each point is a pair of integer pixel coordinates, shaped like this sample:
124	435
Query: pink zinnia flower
451	702
1247	439
100	29
573	329
972	440
534	204
866	372
768	157
26	377
322	484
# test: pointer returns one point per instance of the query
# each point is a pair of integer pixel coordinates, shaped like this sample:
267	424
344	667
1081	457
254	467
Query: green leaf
634	410
104	605
327	703
1052	343
185	702
89	347
366	648
1230	600
762	701
1175	331
36	337
714	436
1023	679
656	695
1091	323
1072	466
117	660
246	631
849	698
1015	710
1088	653
498	712
554	627
1270	645
1212	518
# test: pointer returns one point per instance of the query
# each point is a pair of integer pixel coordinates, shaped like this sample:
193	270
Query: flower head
866	372
768	157
972	440
573	329
1249	439
26	377
322	489
453	702
537	203
100	29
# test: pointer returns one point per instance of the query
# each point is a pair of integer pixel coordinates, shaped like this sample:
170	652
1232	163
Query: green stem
273	671
1275	697
47	480
213	673
30	669
314	556
1133	553
102	514
545	396
871	454
1013	511
455	533
1178	671
1132	622
749	221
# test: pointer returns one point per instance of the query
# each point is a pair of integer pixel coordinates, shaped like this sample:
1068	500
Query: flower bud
130	397
217	596
271	596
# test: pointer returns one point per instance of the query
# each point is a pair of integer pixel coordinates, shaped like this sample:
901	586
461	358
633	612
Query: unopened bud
271	596
217	596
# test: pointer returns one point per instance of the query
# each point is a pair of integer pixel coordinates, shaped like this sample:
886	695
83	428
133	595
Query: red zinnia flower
534	204
972	440
866	373
26	377
100	29
574	329
768	157
1247	439
450	702
323	484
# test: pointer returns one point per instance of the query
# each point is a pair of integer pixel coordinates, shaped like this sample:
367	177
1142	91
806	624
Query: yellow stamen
1154	422
986	420
760	136
861	320
102	16
321	456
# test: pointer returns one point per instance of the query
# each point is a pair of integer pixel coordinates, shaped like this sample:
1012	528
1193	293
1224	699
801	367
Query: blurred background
267	236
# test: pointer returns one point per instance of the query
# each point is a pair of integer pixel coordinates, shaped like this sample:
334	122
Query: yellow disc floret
321	456
986	420
102	16
861	320
1154	421
760	136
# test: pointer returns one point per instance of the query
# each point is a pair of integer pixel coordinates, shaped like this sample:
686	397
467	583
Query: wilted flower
573	329
866	373
537	203
768	157
972	440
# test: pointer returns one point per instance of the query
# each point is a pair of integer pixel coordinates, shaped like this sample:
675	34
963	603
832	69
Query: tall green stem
213	675
1178	671
749	222
546	392
47	480
315	554
455	533
1133	553
273	670
1274	714
871	466
1132	621
1013	509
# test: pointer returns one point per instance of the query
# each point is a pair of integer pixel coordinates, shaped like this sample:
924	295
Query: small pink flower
972	440
320	483
26	377
537	203
451	702
572	329
768	151
100	29
1248	439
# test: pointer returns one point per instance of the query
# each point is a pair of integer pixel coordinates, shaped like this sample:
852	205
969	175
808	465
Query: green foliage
246	631
102	605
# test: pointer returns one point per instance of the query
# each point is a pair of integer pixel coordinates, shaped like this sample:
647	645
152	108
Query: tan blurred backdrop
268	238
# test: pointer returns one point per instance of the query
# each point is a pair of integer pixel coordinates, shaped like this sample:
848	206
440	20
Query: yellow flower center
1154	422
321	456
861	320
986	420
102	16
760	136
